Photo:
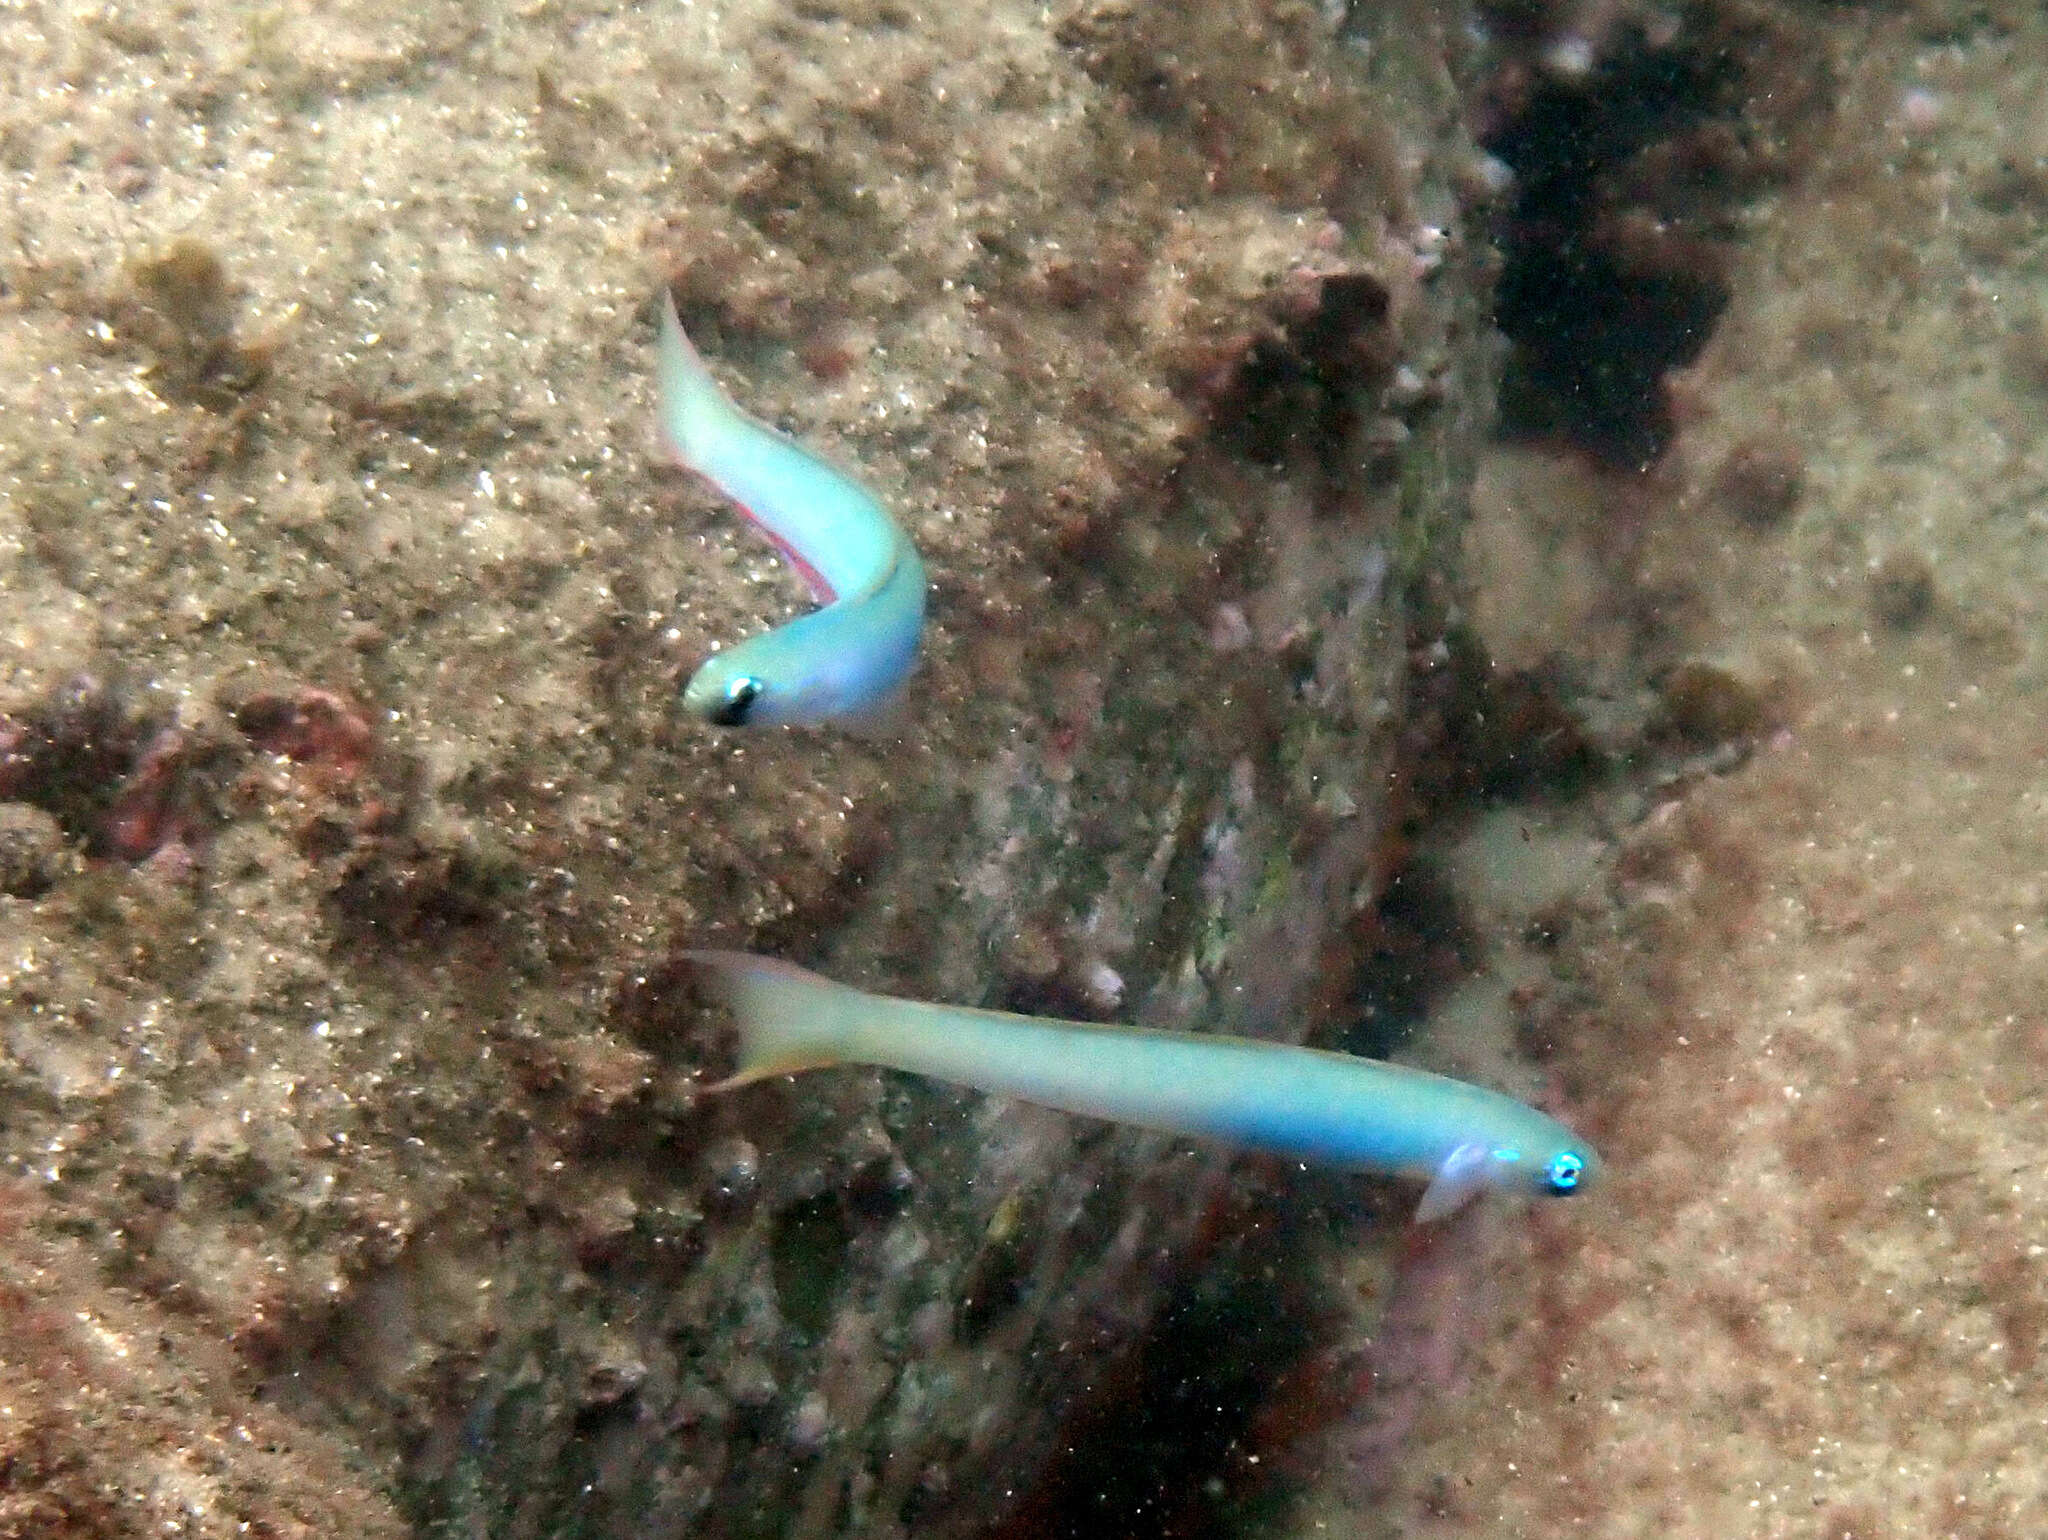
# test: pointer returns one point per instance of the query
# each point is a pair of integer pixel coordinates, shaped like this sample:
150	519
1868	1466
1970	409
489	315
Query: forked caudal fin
789	1019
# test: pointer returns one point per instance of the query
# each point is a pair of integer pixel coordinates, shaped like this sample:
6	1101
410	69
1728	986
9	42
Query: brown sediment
125	1418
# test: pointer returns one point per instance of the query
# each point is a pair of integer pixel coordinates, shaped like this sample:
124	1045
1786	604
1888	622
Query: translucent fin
748	1077
784	1015
694	413
1460	1179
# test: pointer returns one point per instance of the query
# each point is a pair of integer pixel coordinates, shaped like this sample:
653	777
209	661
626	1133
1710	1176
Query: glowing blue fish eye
740	695
1563	1171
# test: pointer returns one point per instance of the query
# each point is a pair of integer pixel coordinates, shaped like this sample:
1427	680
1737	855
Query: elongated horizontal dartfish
1332	1108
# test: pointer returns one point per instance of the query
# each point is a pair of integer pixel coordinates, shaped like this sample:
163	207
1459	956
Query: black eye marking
739	700
1563	1173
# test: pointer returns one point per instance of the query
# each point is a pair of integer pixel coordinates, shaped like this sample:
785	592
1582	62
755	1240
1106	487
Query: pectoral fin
1460	1179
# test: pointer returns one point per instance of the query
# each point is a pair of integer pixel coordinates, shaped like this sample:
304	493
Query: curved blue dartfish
848	660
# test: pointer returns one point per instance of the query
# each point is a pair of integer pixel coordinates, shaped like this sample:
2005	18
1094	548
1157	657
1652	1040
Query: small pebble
32	851
1902	590
734	1168
1707	705
1919	111
614	1377
810	1424
1760	481
749	1381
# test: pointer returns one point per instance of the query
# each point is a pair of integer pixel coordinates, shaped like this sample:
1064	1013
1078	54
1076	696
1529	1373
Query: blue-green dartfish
1332	1108
846	661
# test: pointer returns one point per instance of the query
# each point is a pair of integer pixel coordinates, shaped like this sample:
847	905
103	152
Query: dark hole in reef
1594	333
1057	994
1410	947
593	1419
1483	736
880	1188
1159	1453
400	890
70	753
1301	388
996	1284
807	1253
810	202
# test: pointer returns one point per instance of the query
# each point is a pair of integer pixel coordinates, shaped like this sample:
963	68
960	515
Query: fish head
1554	1169
726	693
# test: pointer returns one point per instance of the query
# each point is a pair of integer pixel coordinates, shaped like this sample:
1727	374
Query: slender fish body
1331	1108
848	660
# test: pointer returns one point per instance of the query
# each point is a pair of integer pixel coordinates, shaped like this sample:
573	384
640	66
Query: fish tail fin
695	413
789	1019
